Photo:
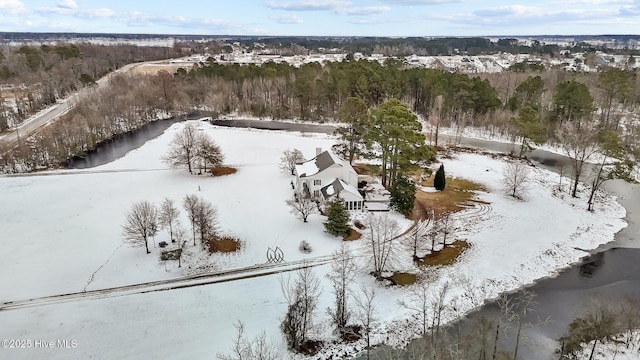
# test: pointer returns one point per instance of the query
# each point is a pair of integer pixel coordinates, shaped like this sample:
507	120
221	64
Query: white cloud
12	7
307	5
139	19
97	13
288	19
79	13
630	10
68	4
423	2
338	7
364	10
594	2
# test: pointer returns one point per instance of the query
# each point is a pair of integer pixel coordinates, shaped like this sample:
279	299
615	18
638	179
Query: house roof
318	164
339	186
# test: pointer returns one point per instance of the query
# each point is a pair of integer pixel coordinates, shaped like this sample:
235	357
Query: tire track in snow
254	271
101	266
80	172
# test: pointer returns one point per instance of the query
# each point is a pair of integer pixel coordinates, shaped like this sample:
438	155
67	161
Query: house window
317	182
316	193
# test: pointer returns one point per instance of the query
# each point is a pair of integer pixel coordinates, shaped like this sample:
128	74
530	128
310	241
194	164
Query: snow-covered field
61	234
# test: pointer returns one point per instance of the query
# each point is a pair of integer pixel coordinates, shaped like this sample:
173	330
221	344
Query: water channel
612	269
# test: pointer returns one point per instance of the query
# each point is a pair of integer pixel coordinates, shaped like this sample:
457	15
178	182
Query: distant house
327	175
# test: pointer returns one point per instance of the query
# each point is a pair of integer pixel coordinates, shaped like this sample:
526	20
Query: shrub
305	247
439	181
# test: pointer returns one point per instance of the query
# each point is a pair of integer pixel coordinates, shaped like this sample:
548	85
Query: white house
327	175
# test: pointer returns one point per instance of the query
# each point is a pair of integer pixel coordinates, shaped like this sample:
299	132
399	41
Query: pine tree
403	195
439	180
337	223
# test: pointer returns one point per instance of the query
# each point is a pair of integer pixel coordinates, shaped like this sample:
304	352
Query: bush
337	223
305	247
439	181
403	196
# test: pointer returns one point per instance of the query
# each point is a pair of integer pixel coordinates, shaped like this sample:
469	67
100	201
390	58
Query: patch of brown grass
223	170
446	256
367	169
456	196
225	244
353	235
153	69
402	278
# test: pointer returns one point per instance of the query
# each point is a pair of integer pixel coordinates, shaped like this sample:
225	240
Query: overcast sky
325	17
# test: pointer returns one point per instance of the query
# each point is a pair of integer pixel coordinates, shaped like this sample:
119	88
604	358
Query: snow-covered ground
622	347
61	229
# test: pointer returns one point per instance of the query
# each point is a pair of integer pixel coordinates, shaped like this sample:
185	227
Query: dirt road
257	270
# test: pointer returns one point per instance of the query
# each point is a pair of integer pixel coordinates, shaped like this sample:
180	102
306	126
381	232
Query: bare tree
630	318
191	204
183	148
426	305
415	241
244	349
418	302
610	146
578	143
515	178
381	235
289	160
444	225
302	299
366	312
434	119
140	224
203	217
596	324
208	153
302	206
168	216
342	274
517	311
206	221
438	306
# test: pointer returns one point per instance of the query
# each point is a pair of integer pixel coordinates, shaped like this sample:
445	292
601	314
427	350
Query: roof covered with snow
318	164
341	187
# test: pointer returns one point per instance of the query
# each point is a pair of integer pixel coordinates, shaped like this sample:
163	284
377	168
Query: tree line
34	77
531	107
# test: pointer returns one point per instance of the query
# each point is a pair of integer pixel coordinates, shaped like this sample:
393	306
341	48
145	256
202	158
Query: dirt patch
402	278
153	69
446	256
367	169
310	347
456	196
353	235
225	244
223	170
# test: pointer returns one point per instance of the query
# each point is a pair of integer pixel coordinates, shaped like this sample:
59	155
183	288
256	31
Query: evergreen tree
394	134
529	127
439	180
337	223
403	195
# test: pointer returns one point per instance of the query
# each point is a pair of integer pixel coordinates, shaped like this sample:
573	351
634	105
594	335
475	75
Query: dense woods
529	107
34	77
